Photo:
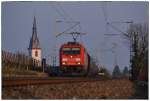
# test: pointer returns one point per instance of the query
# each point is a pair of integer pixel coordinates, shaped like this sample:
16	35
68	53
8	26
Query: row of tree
116	72
137	39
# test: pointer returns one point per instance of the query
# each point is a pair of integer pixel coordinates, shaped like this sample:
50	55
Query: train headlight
63	63
78	59
79	63
64	59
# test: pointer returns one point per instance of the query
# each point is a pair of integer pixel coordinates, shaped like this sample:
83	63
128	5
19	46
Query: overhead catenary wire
117	29
107	25
54	56
68	19
64	12
64	15
104	10
113	50
110	24
103	7
58	11
67	30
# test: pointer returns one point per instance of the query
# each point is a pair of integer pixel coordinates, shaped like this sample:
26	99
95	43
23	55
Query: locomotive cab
72	57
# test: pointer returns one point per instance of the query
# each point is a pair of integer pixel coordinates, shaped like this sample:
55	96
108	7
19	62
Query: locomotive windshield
71	50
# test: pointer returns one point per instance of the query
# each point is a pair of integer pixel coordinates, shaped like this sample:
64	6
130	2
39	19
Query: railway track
12	82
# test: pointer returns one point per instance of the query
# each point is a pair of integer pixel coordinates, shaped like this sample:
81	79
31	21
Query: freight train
74	59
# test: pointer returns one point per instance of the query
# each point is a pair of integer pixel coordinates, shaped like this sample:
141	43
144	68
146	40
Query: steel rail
11	82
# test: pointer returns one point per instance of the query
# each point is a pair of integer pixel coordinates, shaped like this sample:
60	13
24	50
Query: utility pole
113	50
54	53
43	64
110	24
115	54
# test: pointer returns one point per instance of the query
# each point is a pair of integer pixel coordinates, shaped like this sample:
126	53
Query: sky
17	21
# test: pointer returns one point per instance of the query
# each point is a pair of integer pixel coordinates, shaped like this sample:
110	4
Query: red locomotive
74	58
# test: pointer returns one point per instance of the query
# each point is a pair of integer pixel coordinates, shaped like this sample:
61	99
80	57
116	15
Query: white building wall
32	54
39	54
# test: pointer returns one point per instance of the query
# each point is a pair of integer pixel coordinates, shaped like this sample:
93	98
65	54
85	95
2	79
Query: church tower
34	45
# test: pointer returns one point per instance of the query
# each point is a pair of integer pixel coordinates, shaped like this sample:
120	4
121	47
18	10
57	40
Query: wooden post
43	64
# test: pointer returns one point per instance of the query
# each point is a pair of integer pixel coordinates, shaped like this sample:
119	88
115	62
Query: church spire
34	30
34	22
34	41
34	46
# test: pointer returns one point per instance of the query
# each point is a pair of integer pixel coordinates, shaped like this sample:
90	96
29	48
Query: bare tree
137	36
